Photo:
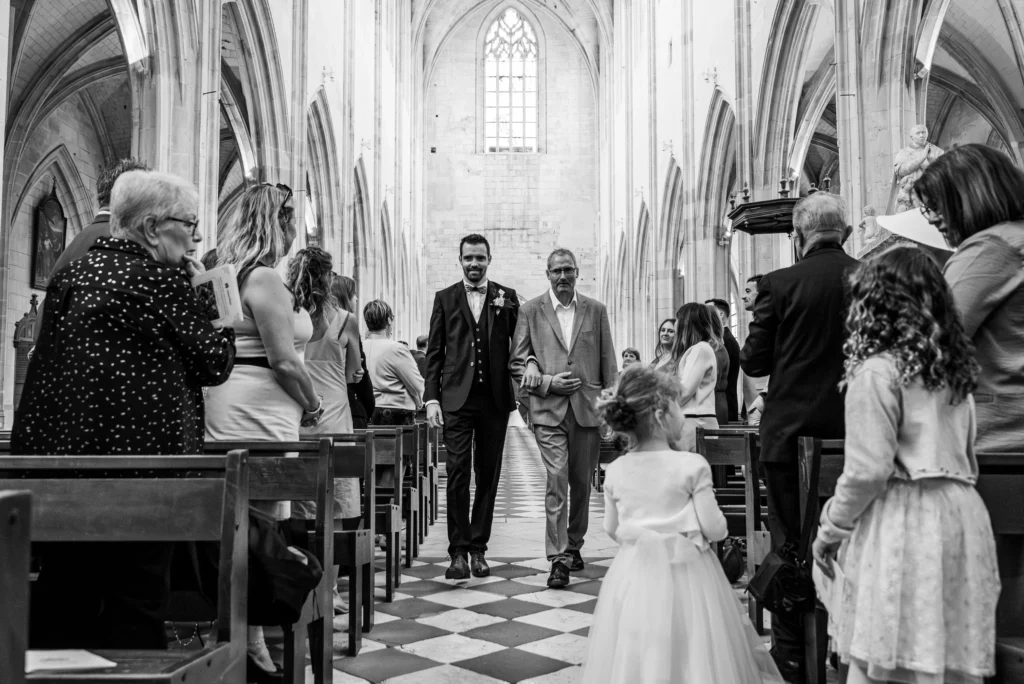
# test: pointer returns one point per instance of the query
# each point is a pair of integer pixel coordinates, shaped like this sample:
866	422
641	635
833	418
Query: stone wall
525	204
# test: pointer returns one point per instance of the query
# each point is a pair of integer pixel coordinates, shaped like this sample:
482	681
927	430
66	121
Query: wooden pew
727	448
394	453
310	476
434	445
387	518
820	464
1000	483
149	498
759	542
608	453
15	524
426	491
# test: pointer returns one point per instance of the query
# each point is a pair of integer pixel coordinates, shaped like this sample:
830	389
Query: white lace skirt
667	615
919	601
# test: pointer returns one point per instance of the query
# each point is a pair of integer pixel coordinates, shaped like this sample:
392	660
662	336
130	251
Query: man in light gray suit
562	353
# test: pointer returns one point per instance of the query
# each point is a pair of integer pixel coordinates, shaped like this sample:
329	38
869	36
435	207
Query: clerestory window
511	59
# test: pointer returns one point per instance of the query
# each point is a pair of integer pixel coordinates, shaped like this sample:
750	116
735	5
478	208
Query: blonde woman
270	392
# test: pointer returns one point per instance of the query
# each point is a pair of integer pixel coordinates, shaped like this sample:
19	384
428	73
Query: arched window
511	58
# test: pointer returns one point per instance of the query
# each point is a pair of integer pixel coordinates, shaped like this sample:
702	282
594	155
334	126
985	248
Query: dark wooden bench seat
149	498
15	528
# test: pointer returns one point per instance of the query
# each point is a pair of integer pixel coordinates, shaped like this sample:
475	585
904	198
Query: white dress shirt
476	299
566	315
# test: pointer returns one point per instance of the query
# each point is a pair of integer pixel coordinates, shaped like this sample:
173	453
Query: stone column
208	139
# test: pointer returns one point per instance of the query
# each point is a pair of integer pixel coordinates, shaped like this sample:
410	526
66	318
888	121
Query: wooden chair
354	549
820	464
426	492
607	454
393	454
434	446
387	513
273	476
759	542
1000	482
149	498
15	524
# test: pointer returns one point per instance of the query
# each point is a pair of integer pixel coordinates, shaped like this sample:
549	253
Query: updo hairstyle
631	405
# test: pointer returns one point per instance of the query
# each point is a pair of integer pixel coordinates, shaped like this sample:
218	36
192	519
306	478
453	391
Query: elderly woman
124	351
397	383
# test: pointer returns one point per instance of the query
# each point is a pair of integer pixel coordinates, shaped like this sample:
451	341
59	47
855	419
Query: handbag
279	583
783	583
731	557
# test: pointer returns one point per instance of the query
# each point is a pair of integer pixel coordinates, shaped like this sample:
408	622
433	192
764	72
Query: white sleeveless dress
325	361
666	613
251	405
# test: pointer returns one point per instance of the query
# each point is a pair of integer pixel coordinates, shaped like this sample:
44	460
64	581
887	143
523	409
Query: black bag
279	583
730	554
782	583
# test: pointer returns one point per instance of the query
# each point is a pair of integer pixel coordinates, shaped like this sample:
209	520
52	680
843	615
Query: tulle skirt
918	603
667	615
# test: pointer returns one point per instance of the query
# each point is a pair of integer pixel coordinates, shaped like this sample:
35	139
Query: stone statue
910	163
869	225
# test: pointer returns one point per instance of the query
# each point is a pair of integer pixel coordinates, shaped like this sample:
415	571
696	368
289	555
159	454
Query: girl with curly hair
666	612
917	599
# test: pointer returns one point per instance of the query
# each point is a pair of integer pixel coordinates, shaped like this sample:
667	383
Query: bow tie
470	289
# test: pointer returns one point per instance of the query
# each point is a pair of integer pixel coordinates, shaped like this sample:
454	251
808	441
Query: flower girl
666	613
918	600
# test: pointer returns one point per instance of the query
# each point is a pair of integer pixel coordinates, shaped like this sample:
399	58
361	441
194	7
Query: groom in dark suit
469	393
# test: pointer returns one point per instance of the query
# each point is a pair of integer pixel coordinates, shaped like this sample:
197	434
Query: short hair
820	214
139	195
756	279
973	187
421	342
474	239
721	305
109	175
562	251
630	350
377	315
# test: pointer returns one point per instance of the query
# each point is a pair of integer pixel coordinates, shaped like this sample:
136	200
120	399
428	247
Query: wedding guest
124	350
722	363
696	368
917	598
630	356
754	389
797	337
666	612
732	347
360	393
270	392
397	383
666	338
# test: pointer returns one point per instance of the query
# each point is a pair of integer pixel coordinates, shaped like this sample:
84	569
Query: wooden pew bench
155	499
396	452
1000	483
309	476
607	455
15	528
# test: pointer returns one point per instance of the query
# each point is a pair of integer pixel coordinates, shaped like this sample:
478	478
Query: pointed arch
672	237
643	284
716	179
385	258
360	224
60	165
323	170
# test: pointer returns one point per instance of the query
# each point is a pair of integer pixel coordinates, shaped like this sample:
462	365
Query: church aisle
508	627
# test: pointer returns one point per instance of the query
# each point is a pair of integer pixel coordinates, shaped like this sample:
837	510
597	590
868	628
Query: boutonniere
499	301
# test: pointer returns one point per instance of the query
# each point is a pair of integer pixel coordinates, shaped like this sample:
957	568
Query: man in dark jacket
797	337
732	348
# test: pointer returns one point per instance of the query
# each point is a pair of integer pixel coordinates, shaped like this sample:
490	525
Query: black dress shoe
791	670
559	577
459	569
576	564
478	564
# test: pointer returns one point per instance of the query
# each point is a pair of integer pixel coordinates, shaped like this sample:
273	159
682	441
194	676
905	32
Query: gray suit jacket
589	356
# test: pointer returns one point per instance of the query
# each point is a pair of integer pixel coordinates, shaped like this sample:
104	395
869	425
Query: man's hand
564	384
434	417
532	378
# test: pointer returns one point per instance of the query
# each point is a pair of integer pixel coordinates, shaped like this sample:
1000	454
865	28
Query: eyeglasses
191	225
930	214
562	271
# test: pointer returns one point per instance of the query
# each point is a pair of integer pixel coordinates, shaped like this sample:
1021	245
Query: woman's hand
357	376
193	266
824	555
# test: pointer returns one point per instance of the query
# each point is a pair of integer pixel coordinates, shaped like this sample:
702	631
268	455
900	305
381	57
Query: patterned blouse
124	351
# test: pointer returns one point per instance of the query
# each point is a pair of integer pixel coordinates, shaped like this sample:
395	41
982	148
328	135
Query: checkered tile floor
508	627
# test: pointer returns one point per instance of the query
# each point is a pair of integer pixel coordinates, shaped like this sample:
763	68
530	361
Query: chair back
1000	482
820	464
354	456
15	526
723	447
147	498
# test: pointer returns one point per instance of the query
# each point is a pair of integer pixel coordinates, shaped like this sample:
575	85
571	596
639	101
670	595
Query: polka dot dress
123	353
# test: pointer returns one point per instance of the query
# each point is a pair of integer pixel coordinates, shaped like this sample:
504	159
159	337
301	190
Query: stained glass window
510	85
